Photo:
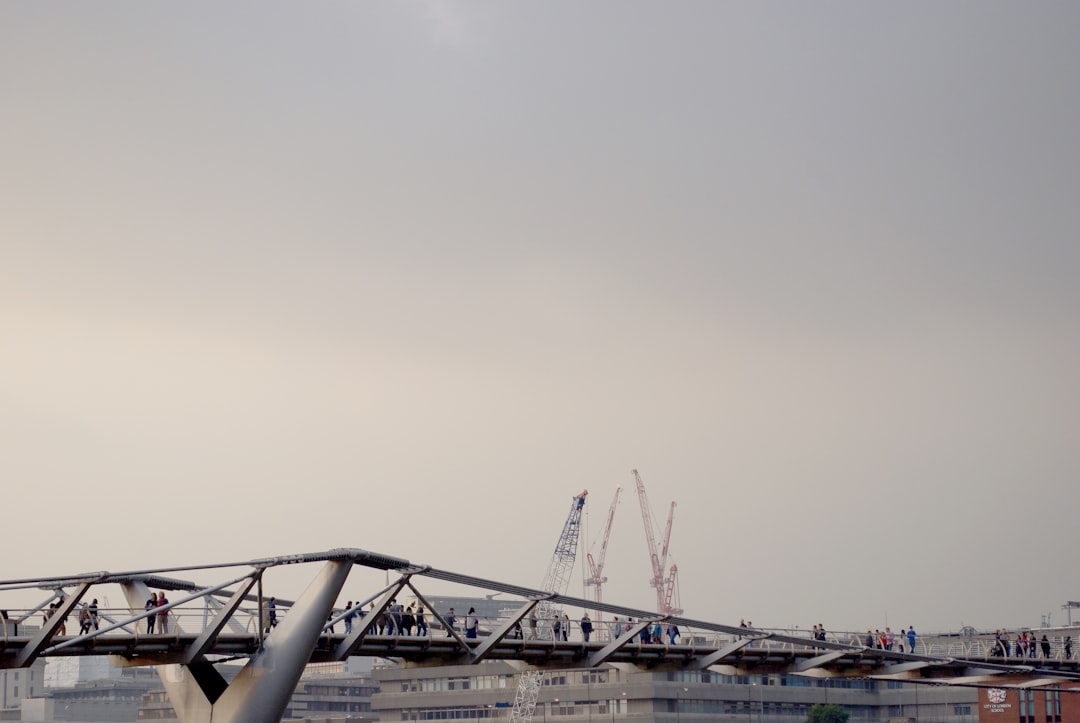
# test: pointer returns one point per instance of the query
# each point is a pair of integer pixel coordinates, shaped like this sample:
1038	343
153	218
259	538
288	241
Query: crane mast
556	580
666	586
594	575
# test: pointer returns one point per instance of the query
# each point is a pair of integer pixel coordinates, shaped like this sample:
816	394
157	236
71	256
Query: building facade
1055	704
18	684
487	691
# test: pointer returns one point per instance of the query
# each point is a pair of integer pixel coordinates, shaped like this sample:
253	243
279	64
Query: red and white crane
666	583
594	574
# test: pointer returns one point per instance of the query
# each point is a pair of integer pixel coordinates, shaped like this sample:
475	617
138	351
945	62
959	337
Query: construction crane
666	585
556	580
1068	608
594	575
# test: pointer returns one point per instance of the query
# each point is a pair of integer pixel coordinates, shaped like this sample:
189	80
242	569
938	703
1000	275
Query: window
1053	706
470	713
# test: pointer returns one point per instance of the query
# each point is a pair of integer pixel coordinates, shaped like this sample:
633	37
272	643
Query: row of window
109	695
1050	709
600	677
499	682
344	690
323	706
700	707
476	713
489	712
792	681
461	682
581	707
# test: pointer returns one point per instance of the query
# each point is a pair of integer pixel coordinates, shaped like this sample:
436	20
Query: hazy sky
281	277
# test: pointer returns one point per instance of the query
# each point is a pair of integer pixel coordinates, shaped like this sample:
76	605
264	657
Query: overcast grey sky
282	277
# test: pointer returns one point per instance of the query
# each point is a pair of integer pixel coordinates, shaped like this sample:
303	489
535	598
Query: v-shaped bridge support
261	692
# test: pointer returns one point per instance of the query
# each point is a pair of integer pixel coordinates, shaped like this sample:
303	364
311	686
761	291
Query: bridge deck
206	629
151	649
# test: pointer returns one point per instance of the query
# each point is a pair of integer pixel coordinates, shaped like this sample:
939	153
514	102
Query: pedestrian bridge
207	624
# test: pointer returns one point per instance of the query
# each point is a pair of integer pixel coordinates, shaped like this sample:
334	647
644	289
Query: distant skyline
407	277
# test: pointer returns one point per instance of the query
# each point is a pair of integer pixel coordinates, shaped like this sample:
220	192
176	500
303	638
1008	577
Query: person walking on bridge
151	604
162	613
1045	642
421	622
586	627
471	623
393	620
1003	643
450	620
911	639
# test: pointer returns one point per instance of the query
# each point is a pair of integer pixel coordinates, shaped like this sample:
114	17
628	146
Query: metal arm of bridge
186	654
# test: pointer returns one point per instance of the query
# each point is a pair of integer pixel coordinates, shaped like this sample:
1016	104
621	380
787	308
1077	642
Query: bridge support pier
261	692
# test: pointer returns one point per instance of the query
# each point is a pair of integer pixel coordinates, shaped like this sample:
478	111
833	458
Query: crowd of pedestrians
1028	645
157	601
54	609
88	617
411	620
396	619
901	642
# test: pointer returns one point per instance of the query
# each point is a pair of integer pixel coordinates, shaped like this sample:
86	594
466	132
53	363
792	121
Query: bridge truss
226	620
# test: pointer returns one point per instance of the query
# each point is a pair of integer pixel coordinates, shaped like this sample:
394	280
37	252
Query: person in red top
162	615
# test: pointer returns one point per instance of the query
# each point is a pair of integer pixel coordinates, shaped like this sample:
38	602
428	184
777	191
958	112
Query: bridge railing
989	647
194	618
189	619
934	645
